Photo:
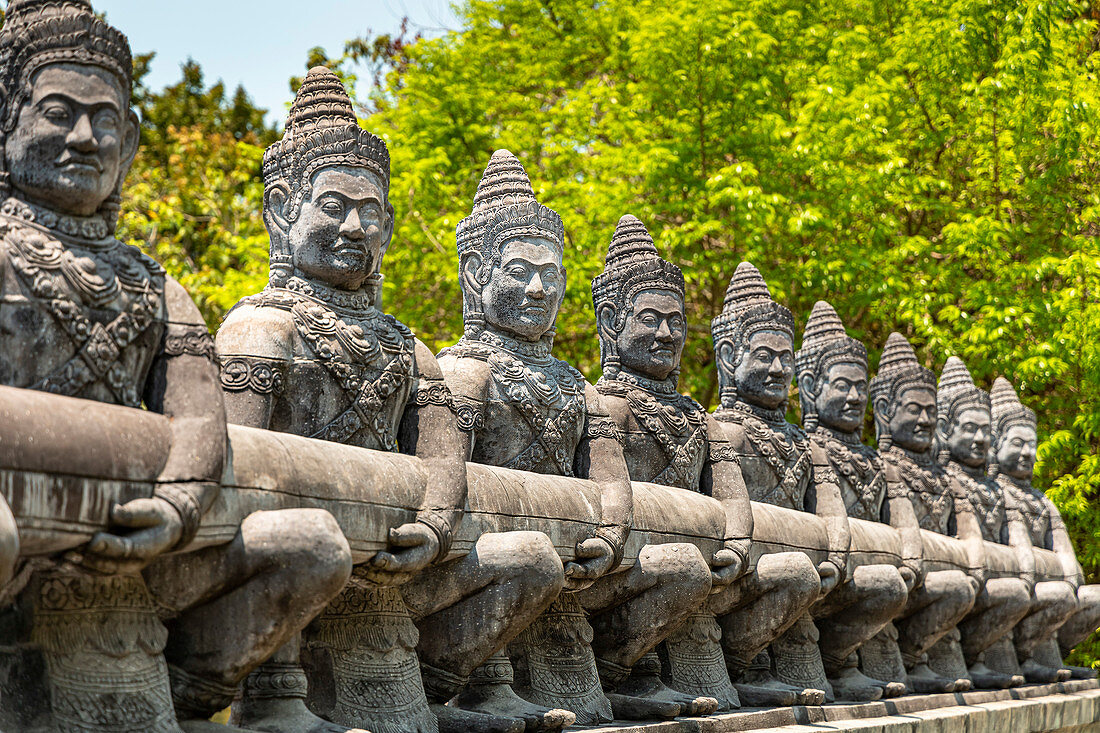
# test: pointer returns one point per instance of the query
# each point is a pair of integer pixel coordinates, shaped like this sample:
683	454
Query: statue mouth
80	163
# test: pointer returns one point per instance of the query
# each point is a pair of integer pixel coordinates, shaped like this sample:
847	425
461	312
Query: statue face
343	228
968	437
1016	451
652	337
914	420
843	397
763	377
72	138
525	291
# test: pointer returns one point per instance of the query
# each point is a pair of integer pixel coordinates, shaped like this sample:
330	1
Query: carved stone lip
81	162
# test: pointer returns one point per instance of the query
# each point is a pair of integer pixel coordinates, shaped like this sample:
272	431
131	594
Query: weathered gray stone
833	383
522	408
963	426
82	314
754	353
1014	441
903	396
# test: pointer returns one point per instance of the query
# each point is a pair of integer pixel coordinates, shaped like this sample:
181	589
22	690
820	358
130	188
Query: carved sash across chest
786	451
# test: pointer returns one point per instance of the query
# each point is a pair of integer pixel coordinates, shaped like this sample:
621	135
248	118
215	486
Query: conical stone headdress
898	370
321	131
632	265
37	33
956	391
504	208
748	308
1007	410
824	343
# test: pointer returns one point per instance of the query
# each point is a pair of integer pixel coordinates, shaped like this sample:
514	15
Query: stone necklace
923	478
985	497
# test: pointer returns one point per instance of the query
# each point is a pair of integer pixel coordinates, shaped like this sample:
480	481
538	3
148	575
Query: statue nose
82	136
352	228
535	288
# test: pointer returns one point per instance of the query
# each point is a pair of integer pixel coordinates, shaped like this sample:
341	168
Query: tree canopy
927	167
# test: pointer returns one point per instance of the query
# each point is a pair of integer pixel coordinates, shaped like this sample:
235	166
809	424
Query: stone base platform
1067	706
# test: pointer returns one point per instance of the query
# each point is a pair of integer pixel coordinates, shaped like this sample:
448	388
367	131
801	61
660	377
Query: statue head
326	187
639	302
753	343
832	373
1015	432
69	135
903	397
510	257
963	422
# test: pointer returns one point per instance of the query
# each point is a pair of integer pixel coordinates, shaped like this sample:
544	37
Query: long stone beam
65	462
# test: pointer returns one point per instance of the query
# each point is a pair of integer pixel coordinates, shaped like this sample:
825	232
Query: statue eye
332	207
106	119
56	112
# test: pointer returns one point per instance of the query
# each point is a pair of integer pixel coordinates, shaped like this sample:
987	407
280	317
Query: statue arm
599	458
183	385
969	531
256	348
825	500
899	514
1063	546
722	479
429	429
1019	540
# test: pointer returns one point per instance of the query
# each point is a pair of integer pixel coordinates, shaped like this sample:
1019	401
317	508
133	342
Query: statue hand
725	567
909	577
413	546
157	526
830	576
594	558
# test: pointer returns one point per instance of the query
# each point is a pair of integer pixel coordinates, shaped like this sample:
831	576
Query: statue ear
468	268
276	198
882	412
387	231
725	356
605	322
131	138
806	388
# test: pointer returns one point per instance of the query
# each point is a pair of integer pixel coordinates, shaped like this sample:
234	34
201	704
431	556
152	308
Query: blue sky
259	44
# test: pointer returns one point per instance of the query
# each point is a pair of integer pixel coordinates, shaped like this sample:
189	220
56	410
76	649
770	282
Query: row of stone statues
927	565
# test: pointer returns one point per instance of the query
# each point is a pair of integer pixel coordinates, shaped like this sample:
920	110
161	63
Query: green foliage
194	196
926	167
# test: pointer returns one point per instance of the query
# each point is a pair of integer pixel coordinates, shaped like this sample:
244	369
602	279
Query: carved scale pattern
928	485
1033	510
986	498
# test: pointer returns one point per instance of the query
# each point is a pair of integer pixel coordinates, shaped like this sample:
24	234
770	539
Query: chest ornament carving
783	447
862	469
68	281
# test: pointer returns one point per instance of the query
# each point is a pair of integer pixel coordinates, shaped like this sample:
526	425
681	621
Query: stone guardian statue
1014	442
639	303
903	396
87	316
313	355
522	408
754	352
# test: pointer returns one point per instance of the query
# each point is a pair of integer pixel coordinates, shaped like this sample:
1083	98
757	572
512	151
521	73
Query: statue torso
350	374
859	471
930	489
774	455
78	318
666	432
1034	511
988	501
534	412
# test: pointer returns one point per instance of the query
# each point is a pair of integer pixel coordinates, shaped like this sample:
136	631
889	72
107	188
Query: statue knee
1010	593
802	578
1089	596
527	559
884	589
681	566
305	542
1056	595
